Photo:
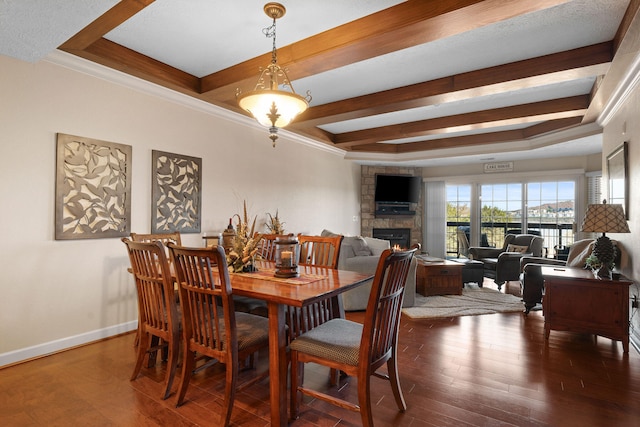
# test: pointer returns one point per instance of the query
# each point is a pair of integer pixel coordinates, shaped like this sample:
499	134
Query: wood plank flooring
491	370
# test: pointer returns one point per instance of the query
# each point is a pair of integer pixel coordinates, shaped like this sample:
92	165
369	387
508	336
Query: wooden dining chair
320	251
210	325
164	238
157	306
267	247
358	349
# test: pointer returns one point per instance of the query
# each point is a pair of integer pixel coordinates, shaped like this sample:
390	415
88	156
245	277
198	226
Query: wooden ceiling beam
563	66
526	113
109	20
408	24
471	140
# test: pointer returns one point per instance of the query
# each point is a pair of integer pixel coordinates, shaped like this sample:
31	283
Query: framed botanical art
618	179
93	188
176	193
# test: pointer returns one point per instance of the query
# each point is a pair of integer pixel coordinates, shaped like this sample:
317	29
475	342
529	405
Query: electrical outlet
355	218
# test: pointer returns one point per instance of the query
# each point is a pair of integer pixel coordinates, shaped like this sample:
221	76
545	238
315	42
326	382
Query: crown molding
622	92
102	72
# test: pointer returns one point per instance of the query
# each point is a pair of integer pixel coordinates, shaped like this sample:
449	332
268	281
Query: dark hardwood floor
491	370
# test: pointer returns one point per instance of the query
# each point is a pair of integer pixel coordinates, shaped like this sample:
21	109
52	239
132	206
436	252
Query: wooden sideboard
576	301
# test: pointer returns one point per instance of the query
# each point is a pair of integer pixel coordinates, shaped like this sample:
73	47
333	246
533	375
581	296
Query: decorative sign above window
498	167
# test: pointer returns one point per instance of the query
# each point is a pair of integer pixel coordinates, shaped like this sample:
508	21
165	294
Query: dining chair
211	327
358	349
320	251
157	306
163	238
267	246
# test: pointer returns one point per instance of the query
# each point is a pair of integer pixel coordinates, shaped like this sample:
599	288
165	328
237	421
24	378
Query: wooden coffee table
439	278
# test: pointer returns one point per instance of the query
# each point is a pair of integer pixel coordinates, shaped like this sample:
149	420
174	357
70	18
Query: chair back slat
206	297
267	246
382	318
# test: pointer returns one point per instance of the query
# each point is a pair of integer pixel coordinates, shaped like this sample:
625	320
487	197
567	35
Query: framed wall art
176	193
93	188
617	177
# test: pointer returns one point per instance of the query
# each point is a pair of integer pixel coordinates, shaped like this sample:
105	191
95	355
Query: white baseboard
64	343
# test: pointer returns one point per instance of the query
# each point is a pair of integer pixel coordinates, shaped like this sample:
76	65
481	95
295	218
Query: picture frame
618	177
176	193
93	188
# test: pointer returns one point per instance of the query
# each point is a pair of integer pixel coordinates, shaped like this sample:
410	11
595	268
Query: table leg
277	364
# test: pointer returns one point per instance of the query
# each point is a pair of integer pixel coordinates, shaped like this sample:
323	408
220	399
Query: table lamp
604	218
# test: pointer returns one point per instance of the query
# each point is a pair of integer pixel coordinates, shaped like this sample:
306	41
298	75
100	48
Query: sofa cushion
359	245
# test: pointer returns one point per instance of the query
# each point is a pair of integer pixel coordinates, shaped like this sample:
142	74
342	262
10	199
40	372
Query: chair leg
143	346
364	400
172	364
392	368
188	364
229	392
296	368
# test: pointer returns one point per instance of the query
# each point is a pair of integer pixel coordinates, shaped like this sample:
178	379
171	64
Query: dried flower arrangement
245	245
275	226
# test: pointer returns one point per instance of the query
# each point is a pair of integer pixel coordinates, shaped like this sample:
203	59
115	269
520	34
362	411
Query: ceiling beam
526	113
563	66
408	24
471	140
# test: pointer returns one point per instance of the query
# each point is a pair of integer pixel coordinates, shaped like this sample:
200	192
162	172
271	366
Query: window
545	208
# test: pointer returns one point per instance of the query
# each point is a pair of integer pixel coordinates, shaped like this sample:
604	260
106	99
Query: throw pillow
517	248
327	233
359	245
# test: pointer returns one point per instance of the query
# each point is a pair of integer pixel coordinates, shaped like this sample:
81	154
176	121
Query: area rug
472	302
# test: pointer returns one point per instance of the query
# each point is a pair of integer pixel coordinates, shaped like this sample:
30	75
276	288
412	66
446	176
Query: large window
489	211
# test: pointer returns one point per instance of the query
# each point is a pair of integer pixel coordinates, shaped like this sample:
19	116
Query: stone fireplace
370	221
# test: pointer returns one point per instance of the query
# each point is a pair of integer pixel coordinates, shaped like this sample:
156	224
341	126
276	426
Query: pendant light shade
269	103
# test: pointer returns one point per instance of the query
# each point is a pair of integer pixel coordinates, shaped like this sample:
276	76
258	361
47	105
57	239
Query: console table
575	300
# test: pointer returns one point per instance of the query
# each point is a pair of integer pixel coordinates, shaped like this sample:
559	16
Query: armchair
503	264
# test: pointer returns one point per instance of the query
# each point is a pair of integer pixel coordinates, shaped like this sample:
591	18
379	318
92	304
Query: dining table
312	285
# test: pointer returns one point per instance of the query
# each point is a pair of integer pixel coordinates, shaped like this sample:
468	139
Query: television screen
397	188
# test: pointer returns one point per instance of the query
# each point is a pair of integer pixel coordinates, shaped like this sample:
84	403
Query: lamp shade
261	102
605	218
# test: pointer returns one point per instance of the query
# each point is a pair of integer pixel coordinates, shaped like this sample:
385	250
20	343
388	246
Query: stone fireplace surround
369	221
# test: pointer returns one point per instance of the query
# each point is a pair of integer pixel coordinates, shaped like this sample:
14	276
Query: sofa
361	254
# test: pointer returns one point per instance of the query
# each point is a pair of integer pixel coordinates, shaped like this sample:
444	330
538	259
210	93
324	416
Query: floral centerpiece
241	256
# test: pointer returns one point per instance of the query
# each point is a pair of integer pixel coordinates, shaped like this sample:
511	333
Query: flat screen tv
397	188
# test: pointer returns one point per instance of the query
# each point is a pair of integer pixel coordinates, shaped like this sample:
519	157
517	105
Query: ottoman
472	270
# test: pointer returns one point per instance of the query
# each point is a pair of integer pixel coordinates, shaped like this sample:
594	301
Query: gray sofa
361	254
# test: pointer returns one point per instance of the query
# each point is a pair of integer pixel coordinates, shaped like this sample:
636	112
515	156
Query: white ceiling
201	37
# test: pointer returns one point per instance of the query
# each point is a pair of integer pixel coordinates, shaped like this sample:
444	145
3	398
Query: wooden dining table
314	284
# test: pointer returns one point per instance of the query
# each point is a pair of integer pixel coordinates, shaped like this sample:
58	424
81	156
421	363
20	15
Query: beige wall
625	126
61	293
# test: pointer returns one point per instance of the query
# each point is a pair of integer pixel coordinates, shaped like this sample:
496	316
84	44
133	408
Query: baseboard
50	347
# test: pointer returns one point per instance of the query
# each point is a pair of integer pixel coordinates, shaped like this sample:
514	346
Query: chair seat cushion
337	339
252	330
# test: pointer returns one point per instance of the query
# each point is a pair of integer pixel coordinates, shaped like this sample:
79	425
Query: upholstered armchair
503	264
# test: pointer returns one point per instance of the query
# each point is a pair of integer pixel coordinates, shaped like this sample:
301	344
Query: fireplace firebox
395	236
